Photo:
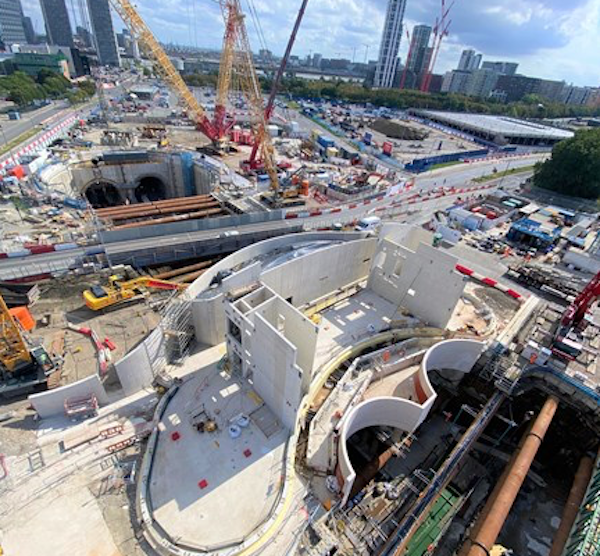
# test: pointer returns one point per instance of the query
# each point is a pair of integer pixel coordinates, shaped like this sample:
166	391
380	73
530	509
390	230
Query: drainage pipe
482	542
571	509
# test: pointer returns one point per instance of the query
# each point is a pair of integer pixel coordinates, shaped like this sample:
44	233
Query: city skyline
548	38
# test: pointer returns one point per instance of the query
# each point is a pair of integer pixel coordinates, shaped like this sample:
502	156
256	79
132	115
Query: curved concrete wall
208	312
406	415
456	355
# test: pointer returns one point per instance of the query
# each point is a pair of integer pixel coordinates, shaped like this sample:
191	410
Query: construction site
238	325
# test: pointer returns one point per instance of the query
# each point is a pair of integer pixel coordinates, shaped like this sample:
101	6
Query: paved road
11	129
57	261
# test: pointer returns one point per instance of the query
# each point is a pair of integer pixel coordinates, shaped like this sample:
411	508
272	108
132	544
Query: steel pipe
488	530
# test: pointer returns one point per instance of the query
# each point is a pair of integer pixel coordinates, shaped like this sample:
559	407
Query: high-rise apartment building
56	19
419	57
11	23
387	64
29	30
481	83
455	81
469	60
502	68
104	33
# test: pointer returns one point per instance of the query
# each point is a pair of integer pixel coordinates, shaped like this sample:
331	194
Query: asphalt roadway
11	129
457	176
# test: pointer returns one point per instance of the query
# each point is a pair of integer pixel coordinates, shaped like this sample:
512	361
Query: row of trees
574	168
23	89
531	106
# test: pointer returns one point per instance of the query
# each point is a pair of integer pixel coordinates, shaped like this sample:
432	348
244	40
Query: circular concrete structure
405	415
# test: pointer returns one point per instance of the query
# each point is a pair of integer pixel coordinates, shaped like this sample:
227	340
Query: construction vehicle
236	54
574	316
118	291
22	368
254	162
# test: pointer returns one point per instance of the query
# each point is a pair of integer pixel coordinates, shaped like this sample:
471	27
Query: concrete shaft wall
450	355
208	310
424	282
127	176
52	403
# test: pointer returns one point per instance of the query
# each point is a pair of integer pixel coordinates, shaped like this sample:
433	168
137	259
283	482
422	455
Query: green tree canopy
574	168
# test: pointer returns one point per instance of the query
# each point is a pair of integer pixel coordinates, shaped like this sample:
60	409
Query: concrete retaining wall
52	403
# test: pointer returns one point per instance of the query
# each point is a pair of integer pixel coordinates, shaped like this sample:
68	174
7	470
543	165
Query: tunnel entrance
150	188
102	195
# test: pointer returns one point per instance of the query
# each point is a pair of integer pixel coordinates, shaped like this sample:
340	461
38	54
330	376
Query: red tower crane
254	163
408	56
440	31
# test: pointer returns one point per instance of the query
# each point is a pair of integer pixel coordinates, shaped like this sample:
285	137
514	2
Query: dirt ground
61	303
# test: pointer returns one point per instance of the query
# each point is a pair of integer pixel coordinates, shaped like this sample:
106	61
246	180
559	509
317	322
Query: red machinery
576	312
253	162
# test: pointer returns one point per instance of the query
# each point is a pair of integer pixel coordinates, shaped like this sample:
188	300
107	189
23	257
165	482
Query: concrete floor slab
351	320
60	525
397	385
210	489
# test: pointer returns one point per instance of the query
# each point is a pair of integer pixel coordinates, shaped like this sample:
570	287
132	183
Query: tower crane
236	53
21	368
279	77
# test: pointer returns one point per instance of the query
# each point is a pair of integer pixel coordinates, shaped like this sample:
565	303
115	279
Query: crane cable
257	25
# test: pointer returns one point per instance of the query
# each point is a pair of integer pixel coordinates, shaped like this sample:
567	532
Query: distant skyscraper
503	68
11	22
390	45
469	60
420	55
29	30
104	33
58	26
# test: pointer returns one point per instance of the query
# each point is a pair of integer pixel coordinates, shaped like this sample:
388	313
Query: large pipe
571	509
482	542
494	494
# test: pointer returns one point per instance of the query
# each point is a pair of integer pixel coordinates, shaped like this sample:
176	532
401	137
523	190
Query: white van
368	224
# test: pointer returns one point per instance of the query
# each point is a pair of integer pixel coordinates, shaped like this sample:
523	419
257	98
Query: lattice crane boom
244	64
169	73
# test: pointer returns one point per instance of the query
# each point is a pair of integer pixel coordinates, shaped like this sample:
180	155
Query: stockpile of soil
395	130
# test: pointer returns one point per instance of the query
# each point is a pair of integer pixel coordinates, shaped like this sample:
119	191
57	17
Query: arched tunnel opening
150	188
102	195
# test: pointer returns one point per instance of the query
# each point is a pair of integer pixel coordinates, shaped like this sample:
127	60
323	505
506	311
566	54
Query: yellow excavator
117	291
22	368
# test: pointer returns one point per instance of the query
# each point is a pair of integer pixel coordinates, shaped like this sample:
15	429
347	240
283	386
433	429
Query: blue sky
554	39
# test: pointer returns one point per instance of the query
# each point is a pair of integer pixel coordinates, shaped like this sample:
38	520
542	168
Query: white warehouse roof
499	125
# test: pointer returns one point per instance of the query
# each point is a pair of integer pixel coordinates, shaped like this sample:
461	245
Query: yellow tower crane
236	52
13	349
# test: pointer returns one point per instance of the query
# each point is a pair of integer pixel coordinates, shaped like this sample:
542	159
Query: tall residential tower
104	33
390	45
420	55
58	26
469	61
11	22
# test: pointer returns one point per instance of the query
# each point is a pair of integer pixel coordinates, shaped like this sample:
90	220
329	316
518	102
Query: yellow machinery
13	349
21	368
117	291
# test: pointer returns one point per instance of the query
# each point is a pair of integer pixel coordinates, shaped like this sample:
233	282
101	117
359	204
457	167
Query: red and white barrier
39	142
490	282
